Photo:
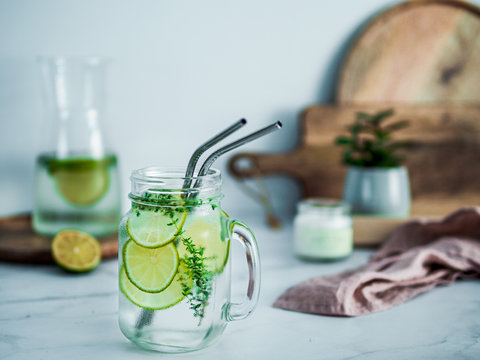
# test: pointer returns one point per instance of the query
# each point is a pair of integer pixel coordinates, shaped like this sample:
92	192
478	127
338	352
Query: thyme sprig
202	285
194	259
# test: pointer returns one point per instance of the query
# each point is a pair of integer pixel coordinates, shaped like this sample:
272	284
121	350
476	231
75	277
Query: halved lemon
154	229
150	270
76	250
206	235
172	295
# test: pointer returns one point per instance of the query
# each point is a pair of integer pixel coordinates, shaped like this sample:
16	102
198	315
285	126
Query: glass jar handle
241	232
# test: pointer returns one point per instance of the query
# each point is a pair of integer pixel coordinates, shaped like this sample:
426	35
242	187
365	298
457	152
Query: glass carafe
76	178
174	262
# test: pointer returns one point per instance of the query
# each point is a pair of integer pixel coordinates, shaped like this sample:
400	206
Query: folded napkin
418	256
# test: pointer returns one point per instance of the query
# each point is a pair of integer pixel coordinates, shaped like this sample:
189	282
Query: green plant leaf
343	140
347	156
382	116
355	128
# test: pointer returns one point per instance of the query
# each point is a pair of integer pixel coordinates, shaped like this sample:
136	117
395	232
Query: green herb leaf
342	140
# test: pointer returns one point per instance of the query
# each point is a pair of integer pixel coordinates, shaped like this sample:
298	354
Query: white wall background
182	71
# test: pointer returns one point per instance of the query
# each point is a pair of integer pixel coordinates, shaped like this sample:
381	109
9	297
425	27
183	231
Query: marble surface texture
46	313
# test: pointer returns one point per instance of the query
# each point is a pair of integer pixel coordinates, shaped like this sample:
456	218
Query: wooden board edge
372	231
384	16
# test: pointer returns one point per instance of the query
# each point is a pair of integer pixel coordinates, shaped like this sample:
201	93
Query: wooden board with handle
443	164
19	243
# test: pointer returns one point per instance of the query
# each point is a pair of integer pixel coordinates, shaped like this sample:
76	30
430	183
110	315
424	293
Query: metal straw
198	153
211	159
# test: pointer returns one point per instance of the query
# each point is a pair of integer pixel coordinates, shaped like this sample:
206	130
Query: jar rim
92	60
324	205
158	173
161	181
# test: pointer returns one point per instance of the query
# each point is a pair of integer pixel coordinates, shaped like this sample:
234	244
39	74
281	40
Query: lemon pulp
150	270
76	250
206	235
153	229
172	295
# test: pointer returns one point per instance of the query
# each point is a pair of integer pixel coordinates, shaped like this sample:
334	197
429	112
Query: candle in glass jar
323	229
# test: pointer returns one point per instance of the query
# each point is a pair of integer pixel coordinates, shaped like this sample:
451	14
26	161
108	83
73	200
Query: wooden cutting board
19	243
415	52
443	165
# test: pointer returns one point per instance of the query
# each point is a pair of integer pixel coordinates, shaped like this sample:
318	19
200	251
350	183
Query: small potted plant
376	182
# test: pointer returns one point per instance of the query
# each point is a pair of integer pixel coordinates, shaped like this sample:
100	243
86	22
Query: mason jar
323	229
174	262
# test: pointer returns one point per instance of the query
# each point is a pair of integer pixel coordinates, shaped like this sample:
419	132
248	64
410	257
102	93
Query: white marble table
46	313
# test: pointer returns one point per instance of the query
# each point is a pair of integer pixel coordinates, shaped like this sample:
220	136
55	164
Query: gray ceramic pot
378	191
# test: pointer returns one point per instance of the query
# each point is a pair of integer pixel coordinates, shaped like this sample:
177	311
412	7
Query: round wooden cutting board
415	52
19	243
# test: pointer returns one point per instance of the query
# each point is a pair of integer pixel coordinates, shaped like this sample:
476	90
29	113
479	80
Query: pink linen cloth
418	256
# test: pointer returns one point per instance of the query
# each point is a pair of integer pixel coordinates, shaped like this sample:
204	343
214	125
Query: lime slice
172	295
81	182
151	270
208	236
76	251
154	229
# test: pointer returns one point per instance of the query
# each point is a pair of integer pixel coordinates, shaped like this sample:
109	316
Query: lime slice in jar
150	270
172	295
152	229
208	236
76	251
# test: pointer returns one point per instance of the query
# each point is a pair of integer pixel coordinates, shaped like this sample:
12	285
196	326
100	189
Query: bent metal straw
262	132
216	139
213	157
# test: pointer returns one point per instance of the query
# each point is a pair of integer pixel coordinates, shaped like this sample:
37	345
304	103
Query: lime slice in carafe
206	235
76	251
79	181
150	270
153	229
172	295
